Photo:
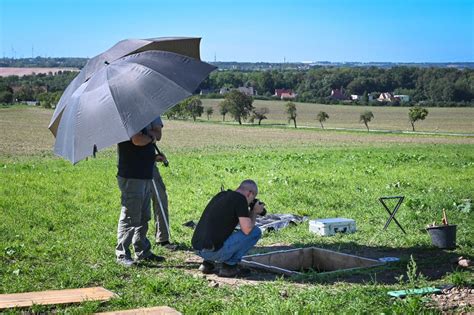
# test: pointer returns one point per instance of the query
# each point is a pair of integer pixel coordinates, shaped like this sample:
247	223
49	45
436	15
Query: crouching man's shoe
231	271
207	267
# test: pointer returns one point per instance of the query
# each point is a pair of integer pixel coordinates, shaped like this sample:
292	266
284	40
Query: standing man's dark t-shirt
135	161
219	220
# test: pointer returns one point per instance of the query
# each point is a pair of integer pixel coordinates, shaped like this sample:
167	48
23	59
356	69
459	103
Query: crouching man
214	238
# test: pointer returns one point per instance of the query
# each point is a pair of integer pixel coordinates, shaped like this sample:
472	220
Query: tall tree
194	107
209	112
240	105
291	111
366	117
322	117
224	108
417	113
178	111
260	114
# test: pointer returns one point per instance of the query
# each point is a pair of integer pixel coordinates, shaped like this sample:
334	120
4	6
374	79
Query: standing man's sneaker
152	259
228	271
126	262
168	245
207	267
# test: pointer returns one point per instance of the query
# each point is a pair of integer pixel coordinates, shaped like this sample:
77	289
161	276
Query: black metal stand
392	214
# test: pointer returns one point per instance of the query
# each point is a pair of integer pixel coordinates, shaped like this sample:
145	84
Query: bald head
249	189
248	185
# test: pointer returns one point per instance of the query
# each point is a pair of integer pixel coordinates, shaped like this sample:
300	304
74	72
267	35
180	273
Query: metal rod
162	210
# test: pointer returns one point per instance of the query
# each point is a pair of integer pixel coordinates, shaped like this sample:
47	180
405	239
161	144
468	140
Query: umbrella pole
161	208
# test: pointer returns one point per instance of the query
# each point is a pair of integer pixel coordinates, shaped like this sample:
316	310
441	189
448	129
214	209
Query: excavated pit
312	259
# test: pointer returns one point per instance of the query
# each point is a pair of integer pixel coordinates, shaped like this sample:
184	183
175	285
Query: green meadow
59	221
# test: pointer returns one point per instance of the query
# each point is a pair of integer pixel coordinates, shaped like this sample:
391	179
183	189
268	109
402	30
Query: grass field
59	221
345	116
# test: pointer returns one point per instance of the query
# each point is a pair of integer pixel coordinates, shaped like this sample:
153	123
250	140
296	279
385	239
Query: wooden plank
55	297
158	310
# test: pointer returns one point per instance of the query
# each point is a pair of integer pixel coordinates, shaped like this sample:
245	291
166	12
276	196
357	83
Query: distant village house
386	97
249	91
224	90
403	98
285	94
338	95
389	97
246	90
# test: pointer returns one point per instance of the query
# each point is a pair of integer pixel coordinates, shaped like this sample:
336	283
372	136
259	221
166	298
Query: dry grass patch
24	131
343	116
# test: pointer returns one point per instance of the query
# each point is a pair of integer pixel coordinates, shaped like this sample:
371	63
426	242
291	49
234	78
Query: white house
247	90
403	98
224	90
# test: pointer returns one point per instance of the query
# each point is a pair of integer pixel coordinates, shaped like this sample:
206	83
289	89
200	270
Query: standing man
159	196
214	238
136	159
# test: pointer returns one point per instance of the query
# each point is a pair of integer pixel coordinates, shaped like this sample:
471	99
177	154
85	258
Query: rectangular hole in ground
296	261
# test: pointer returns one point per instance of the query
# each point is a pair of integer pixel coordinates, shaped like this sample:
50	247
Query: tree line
44	62
45	88
425	86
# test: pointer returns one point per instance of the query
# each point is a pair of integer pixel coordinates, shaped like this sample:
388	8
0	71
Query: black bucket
443	236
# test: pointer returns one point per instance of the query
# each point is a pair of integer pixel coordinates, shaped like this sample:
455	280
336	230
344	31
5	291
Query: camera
254	202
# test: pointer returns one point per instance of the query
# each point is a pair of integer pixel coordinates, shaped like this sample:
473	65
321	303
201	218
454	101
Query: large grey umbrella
187	46
121	98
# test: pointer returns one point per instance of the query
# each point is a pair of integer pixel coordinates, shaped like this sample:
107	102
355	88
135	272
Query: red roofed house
337	94
278	92
288	96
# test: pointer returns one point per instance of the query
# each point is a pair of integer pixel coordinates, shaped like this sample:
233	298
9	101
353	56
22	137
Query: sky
247	30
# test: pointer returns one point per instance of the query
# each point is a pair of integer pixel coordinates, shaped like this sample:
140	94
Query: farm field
59	221
7	71
459	120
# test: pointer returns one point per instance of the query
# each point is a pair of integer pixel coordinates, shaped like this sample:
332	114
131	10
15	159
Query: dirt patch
455	298
256	277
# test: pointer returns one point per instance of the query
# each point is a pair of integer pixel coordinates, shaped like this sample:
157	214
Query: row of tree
44	62
240	107
45	88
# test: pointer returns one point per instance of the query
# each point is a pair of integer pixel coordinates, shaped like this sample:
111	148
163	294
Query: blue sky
246	30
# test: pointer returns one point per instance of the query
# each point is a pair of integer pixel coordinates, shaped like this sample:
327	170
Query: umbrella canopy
122	98
187	46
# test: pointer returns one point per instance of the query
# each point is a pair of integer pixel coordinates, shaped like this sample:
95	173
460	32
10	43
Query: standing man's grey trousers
161	222
134	217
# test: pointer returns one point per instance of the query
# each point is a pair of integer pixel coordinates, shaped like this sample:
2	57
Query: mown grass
58	227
